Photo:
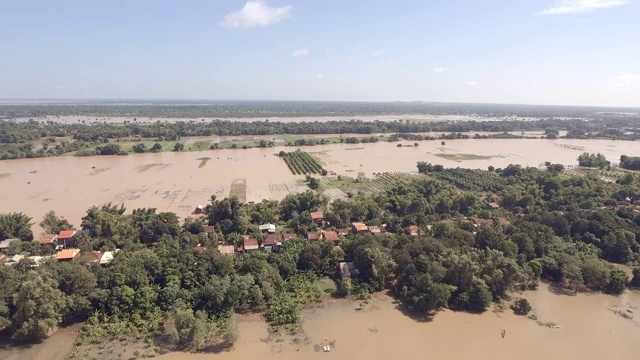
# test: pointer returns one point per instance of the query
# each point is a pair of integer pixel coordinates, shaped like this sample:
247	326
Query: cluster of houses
59	243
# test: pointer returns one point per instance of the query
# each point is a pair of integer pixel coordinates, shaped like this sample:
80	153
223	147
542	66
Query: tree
178	147
39	306
521	306
53	224
140	148
15	225
157	147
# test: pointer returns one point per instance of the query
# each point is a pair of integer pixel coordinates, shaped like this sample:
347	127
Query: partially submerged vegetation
300	162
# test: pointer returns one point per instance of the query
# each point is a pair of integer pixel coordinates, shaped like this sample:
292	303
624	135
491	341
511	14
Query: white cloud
580	6
319	77
300	53
471	83
256	13
378	53
627	79
440	69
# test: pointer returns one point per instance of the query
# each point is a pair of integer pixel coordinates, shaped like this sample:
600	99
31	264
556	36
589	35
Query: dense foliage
593	161
300	162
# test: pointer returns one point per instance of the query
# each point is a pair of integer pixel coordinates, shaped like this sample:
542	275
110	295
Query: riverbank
588	328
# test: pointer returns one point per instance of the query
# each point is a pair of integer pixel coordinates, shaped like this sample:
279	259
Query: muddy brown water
588	329
175	182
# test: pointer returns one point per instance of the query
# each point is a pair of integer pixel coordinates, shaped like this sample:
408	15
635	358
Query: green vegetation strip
300	162
463	157
203	161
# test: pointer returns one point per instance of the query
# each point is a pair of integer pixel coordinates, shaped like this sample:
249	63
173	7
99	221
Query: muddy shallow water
176	182
588	330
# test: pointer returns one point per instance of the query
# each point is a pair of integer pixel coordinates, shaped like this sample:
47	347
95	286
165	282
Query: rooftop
48	239
227	250
313	235
331	236
317	216
272	240
66	234
67	254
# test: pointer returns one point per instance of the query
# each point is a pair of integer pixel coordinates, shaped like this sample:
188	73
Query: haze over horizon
578	52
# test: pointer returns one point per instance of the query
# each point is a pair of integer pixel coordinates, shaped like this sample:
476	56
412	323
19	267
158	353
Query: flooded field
179	182
588	329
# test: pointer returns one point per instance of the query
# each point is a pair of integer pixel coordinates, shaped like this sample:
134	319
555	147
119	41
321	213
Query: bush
521	306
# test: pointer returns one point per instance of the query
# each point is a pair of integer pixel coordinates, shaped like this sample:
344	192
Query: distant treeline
15	132
265	109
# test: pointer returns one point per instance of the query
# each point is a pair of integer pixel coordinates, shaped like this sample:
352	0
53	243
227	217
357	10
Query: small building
504	221
48	239
64	236
290	236
250	245
267	228
13	260
331	236
482	222
227	250
412	230
209	228
68	254
375	230
4	244
317	217
494	206
359	228
107	257
93	256
38	260
272	242
313	236
347	269
344	231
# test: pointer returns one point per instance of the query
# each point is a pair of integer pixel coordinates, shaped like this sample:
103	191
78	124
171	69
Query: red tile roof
68	254
290	236
494	205
272	240
251	244
48	239
93	255
331	236
317	216
209	228
344	231
66	234
358	226
313	235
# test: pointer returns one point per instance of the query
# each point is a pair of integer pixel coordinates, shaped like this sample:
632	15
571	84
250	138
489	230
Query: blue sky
533	52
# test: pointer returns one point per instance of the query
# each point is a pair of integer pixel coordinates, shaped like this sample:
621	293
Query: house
67	254
290	236
347	269
4	244
38	260
494	206
93	256
267	228
375	230
272	242
107	257
412	230
209	228
344	231
504	221
313	236
250	245
64	236
198	210
317	217
13	260
48	239
359	228
481	222
227	250
331	236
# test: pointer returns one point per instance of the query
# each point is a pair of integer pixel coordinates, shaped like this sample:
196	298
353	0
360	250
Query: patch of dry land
588	327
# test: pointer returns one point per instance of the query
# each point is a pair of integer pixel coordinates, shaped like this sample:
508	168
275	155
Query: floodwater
588	329
175	181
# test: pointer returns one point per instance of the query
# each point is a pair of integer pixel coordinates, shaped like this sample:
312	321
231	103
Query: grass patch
200	145
326	286
239	189
203	161
463	157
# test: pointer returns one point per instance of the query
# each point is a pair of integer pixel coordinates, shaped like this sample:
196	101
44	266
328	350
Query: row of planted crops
300	162
472	179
